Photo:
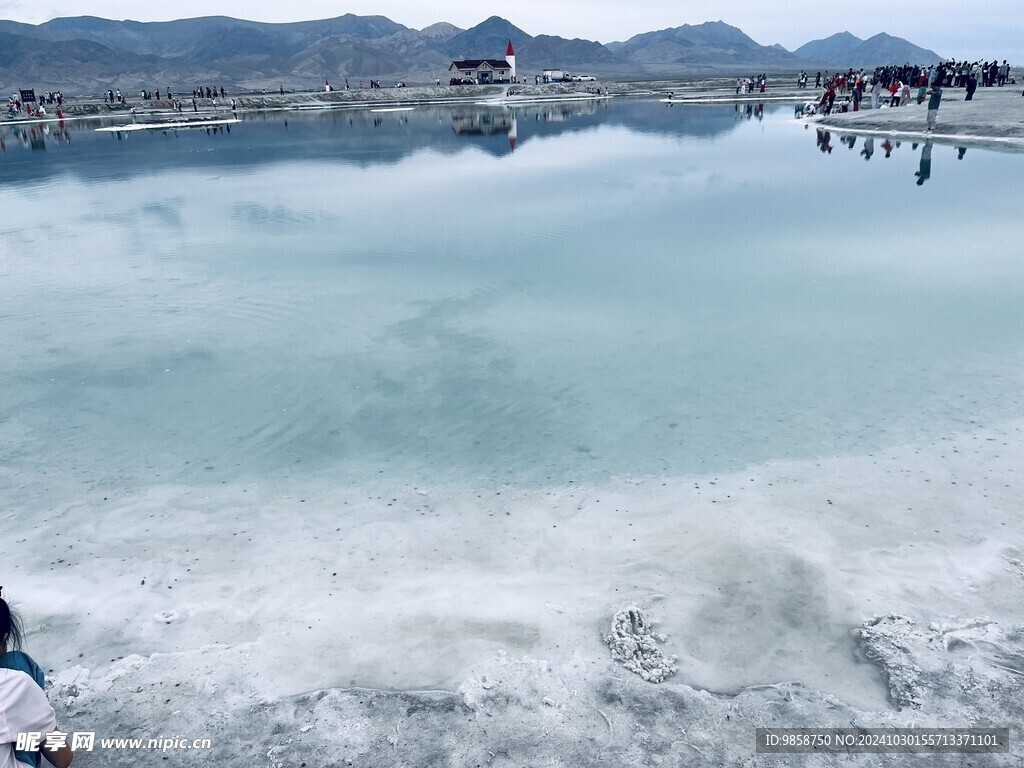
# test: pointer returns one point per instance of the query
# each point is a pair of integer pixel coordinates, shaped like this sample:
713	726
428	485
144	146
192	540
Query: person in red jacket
894	94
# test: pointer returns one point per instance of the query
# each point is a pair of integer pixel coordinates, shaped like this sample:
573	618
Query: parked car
462	81
585	78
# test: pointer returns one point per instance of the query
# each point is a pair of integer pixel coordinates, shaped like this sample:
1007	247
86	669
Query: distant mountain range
882	48
85	54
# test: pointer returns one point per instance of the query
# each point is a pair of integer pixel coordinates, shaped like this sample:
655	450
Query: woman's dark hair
10	628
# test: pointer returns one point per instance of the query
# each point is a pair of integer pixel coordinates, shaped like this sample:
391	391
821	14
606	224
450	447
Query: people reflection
824	141
869	147
960	152
924	172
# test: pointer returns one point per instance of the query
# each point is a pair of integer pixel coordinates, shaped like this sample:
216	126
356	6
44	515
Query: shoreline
993	120
592	710
340	481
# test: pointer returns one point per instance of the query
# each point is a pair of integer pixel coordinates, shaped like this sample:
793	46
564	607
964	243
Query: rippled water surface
397	390
632	289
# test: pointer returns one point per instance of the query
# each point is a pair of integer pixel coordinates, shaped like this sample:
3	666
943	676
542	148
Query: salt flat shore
993	119
396	621
921	605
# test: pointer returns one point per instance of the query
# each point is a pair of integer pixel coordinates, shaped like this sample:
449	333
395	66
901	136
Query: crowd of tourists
211	93
114	96
752	83
17	108
894	86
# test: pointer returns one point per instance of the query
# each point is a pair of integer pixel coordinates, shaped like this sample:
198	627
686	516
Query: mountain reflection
363	137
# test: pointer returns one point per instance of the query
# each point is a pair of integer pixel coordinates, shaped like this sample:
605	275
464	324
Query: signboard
28	96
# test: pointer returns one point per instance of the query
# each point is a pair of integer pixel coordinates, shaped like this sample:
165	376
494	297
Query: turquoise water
632	290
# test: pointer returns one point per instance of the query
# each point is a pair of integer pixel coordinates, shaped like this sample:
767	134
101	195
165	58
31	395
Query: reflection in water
924	171
366	138
823	140
209	130
504	121
34	137
325	257
487	123
749	111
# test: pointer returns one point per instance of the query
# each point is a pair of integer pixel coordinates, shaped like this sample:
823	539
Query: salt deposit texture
380	439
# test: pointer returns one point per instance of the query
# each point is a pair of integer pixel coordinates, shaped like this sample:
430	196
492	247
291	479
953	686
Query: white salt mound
636	648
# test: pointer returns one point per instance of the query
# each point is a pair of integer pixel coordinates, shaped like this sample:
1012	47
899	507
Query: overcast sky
950	27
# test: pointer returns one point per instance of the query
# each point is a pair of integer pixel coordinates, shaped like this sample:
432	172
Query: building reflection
505	121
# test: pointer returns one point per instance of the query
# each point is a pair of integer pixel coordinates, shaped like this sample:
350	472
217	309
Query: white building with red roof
484	71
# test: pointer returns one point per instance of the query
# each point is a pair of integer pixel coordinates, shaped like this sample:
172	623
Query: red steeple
510	52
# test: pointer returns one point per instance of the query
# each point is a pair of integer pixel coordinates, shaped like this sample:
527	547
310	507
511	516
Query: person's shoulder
14	682
24	705
21	661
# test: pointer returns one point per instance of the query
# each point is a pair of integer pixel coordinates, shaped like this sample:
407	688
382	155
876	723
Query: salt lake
401	390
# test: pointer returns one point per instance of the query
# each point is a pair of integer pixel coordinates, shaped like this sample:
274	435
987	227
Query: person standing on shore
972	86
933	106
894	93
827	100
23	705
